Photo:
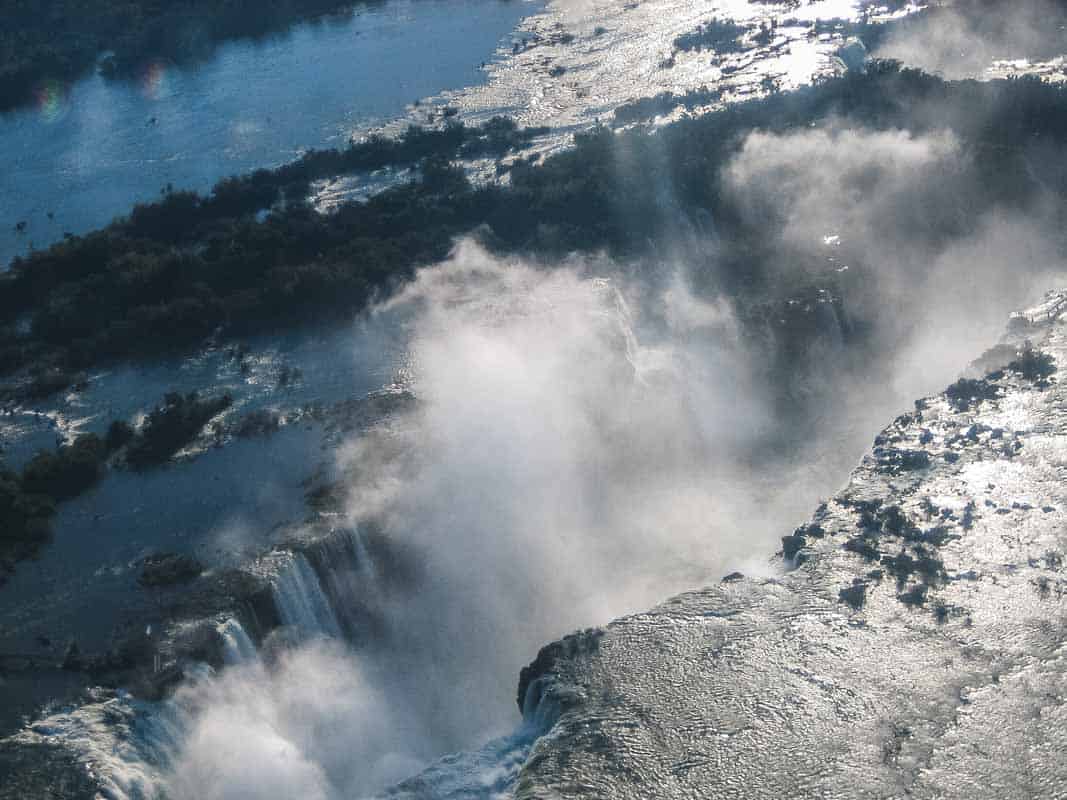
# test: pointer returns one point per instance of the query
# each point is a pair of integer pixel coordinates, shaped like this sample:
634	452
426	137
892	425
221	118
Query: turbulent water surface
502	453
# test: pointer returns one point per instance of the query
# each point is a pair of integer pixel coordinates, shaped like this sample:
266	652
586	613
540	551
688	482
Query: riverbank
253	253
61	40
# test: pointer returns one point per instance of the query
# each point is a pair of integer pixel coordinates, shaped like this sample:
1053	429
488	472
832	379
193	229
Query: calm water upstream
84	155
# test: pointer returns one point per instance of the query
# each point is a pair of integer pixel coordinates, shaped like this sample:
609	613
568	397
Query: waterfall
126	744
492	771
346	574
541	707
489	773
237	645
300	600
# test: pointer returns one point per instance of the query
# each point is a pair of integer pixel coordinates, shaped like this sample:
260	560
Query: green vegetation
28	500
664	103
24	519
186	267
967	392
172	425
169	569
854	595
59	40
68	471
1033	365
722	36
119	434
45	382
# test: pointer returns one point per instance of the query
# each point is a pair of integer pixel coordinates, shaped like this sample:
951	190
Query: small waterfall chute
346	573
237	645
301	602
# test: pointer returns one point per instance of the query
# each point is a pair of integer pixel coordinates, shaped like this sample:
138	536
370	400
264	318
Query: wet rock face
913	648
549	656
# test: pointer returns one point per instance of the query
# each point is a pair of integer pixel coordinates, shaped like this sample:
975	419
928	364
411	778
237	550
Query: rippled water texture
925	659
87	152
573	64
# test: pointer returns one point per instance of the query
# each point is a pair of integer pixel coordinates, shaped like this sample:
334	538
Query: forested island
28	498
60	40
254	254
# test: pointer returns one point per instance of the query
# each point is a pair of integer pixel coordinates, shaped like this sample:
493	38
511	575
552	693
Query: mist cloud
314	724
581	449
964	39
568	463
859	185
585	445
910	227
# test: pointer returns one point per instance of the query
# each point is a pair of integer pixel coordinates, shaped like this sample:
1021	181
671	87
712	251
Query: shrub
68	471
171	426
967	392
119	434
1032	364
854	595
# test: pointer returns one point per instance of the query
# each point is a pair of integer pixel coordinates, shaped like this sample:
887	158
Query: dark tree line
28	499
178	270
175	270
59	40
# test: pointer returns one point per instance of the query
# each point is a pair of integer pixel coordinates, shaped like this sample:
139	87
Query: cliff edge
914	649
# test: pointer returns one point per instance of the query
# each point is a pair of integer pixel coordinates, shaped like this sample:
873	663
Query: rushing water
86	153
219	503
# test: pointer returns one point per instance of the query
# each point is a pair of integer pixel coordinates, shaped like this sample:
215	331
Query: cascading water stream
301	602
237	645
344	569
126	746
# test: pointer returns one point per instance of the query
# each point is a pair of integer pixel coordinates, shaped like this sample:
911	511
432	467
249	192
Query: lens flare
52	99
154	80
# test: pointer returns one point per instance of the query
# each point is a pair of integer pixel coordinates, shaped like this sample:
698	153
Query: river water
85	153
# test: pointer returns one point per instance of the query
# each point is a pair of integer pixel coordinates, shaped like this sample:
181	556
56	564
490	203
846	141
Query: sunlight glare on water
85	153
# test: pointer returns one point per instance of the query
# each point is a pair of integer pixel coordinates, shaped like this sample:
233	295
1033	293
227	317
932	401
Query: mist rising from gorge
905	222
963	39
587	443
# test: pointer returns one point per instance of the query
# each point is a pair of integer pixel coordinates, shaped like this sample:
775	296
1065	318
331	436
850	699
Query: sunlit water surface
87	152
84	154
